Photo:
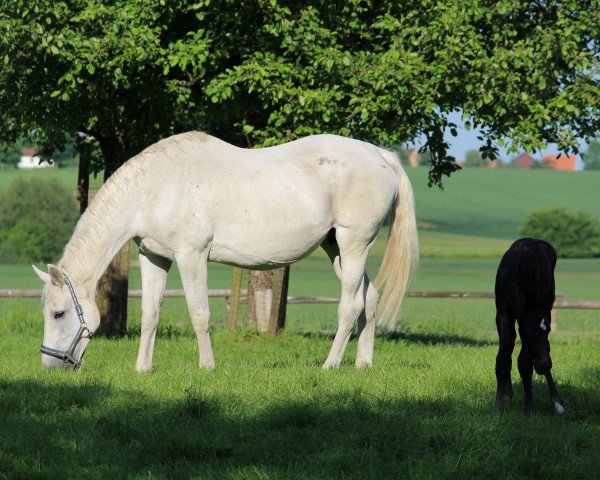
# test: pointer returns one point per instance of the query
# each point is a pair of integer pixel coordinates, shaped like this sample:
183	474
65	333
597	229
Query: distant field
66	176
493	203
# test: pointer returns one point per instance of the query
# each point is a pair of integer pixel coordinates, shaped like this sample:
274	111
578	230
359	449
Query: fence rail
226	293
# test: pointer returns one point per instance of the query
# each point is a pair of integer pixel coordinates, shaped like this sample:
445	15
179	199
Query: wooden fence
226	293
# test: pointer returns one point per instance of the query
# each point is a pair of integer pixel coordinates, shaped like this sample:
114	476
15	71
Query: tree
591	158
129	72
10	155
573	235
473	158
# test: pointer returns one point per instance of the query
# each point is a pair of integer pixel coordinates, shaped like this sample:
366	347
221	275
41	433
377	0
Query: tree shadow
93	430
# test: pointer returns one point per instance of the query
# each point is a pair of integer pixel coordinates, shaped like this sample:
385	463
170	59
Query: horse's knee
200	318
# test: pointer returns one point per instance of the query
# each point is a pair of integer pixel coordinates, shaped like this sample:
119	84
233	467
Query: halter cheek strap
83	332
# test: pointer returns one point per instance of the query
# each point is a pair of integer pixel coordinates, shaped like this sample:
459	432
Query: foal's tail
401	257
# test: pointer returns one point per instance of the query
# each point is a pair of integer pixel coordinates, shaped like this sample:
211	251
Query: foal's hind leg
193	271
350	267
154	270
507	336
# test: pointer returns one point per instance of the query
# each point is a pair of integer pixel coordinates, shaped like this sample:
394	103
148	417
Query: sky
467	140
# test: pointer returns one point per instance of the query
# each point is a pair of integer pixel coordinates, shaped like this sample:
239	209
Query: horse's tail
401	257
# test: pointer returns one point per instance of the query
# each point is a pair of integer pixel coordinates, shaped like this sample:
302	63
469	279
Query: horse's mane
90	230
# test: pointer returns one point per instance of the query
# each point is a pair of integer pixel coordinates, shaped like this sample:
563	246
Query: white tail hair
401	257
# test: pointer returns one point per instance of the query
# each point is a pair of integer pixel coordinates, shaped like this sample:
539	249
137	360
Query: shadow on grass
94	431
423	338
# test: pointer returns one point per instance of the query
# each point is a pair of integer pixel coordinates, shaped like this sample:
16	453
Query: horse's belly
267	247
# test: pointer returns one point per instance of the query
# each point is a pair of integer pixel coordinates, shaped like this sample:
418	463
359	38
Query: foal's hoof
559	408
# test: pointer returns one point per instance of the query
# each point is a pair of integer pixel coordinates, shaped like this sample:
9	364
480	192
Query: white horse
192	198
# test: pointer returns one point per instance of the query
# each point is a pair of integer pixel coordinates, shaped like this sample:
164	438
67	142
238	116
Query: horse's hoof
559	408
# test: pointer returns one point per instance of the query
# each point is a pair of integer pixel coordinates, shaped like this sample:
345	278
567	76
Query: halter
83	332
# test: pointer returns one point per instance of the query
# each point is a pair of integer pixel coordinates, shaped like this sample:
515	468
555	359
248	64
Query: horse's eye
59	315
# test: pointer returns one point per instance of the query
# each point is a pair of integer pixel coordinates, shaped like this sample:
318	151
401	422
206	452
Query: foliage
36	220
129	72
591	158
573	235
10	154
473	158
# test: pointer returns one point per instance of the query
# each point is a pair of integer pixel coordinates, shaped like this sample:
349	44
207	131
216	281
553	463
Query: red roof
559	162
523	161
29	152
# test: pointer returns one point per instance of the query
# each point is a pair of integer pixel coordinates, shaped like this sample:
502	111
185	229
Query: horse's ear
56	276
44	277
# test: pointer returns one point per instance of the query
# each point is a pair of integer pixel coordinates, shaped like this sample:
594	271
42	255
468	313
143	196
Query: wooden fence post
279	300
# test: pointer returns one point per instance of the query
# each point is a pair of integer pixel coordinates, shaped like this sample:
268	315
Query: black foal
525	293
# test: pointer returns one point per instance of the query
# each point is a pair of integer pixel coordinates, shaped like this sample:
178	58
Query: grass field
425	410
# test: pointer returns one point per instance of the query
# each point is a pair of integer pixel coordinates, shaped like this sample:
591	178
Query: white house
29	159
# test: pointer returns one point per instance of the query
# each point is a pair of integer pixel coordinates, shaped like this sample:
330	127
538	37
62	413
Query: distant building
559	162
29	159
524	161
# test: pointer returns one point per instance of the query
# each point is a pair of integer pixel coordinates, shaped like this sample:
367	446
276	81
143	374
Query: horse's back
248	201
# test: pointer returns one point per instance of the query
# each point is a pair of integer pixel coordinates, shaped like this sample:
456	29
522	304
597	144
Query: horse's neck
90	250
100	233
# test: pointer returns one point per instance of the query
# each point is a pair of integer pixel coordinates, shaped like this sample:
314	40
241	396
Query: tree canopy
128	72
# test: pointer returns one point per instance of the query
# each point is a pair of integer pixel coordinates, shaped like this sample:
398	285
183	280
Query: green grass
425	410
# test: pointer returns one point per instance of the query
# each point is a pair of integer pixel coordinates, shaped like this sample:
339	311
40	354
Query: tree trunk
111	293
260	294
83	175
267	299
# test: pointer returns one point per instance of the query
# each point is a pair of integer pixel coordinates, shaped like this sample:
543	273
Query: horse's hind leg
366	325
349	265
557	403
154	270
506	335
193	271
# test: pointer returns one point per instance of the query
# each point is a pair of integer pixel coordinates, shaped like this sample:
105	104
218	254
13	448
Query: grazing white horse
192	198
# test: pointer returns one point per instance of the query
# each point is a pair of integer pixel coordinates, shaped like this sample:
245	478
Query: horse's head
66	332
534	332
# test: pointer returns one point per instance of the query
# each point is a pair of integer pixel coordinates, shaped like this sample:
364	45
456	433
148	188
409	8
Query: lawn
424	410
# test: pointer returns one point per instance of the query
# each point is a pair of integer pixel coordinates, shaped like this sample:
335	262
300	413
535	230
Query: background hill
493	203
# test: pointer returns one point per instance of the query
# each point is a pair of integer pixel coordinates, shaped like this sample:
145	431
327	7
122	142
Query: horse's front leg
154	271
557	402
193	270
507	336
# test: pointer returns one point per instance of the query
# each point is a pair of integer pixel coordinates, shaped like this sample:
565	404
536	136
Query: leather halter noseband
83	332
